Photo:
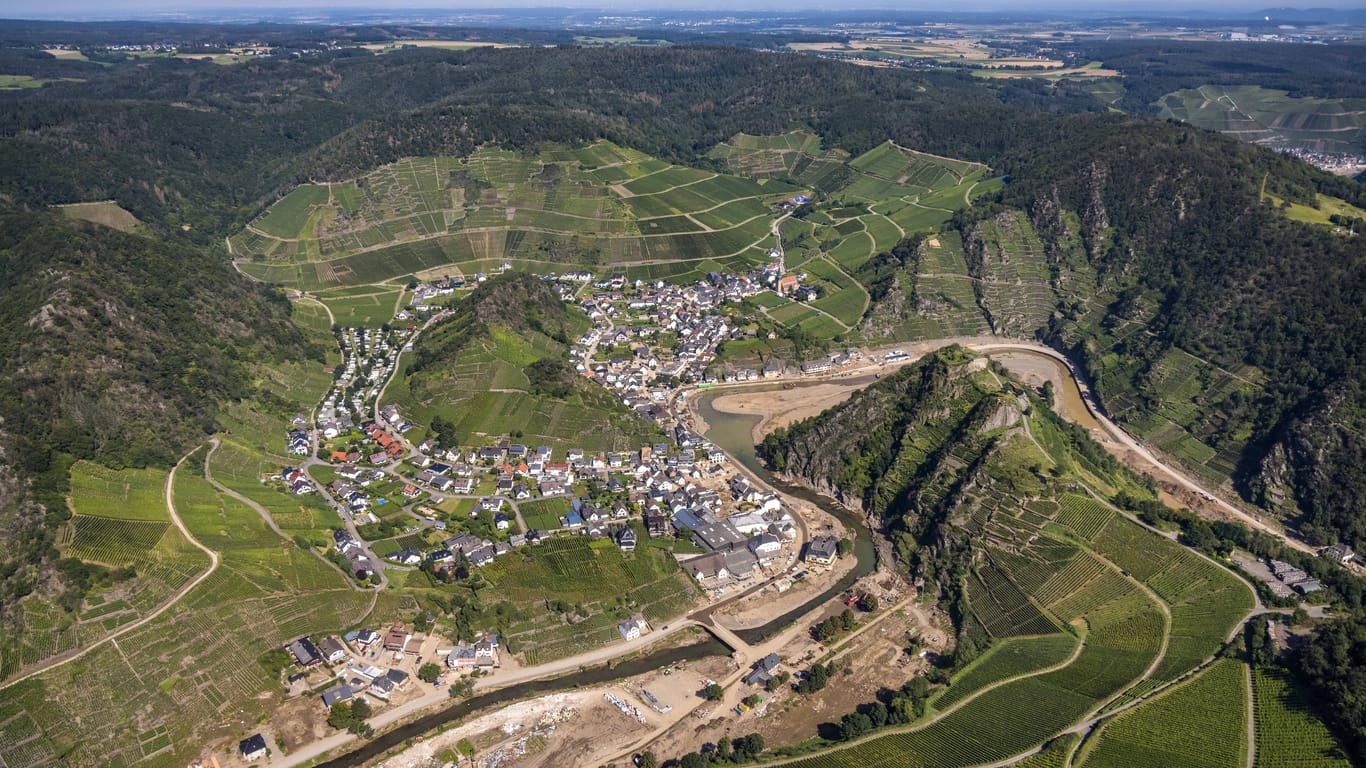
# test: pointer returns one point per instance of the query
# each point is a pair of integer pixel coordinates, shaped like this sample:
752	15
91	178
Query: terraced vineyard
1013	280
192	665
610	207
587	205
120	523
990	727
1272	117
1141	611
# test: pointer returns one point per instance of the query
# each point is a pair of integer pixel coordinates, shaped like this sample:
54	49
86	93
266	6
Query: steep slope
988	498
499	366
118	349
1209	322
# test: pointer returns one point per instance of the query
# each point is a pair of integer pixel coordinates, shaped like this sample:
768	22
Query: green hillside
1262	115
965	470
500	366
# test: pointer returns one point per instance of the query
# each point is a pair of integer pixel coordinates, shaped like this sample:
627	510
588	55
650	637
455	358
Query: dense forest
514	301
1171	221
1152	69
119	349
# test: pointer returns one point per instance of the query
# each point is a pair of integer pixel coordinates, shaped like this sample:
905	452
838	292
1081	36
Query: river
733	433
388	740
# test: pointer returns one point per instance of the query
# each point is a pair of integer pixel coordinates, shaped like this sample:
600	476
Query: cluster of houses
481	654
424	293
354	551
738	543
298	443
353	674
297	481
368	358
682	312
1289	577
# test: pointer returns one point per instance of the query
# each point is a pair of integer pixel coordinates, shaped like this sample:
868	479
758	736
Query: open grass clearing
107	212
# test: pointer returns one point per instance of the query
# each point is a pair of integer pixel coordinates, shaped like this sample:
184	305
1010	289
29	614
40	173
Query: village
741	543
647	340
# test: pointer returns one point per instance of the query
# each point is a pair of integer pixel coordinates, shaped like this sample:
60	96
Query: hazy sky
144	8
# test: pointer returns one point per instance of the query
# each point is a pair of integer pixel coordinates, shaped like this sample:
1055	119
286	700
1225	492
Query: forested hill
514	302
1161	245
1157	235
500	365
117	348
226	140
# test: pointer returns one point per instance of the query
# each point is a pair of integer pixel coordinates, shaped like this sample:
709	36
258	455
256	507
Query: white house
630	629
765	546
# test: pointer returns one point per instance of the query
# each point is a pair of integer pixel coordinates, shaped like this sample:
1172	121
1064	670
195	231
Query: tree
816	678
648	760
360	710
751	700
777	681
693	760
339	716
723	748
713	692
845	547
869	602
748	747
429	672
854	725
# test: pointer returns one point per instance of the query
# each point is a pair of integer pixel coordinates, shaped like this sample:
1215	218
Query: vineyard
1206	601
1006	659
1200	724
151	698
601	580
1289	734
1125	633
1141	612
1083	514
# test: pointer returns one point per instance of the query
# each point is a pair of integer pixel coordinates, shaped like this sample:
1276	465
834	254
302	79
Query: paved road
1116	433
56	661
434	697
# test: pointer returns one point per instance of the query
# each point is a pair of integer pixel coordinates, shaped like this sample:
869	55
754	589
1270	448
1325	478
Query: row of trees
725	751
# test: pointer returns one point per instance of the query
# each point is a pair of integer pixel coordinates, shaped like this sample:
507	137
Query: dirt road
57	661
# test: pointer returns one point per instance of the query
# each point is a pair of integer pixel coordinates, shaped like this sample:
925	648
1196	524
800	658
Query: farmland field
596	575
370	310
545	514
108	213
129	494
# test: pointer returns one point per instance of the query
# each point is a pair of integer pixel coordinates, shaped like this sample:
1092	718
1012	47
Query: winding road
57	661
